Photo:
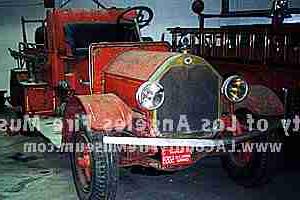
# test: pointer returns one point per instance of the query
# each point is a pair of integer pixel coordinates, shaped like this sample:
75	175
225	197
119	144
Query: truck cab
60	55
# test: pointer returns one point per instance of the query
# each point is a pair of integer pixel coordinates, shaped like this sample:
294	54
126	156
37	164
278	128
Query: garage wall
10	34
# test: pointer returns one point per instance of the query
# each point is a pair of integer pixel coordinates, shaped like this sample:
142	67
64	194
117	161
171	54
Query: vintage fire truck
124	90
266	55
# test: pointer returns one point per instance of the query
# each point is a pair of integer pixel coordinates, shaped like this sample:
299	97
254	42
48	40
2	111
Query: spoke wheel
94	169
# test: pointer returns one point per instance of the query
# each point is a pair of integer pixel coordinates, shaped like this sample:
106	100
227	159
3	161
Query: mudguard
103	114
262	101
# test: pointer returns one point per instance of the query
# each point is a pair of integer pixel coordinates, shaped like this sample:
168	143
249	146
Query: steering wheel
141	15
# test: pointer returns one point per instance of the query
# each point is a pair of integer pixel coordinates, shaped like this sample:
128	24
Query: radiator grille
191	94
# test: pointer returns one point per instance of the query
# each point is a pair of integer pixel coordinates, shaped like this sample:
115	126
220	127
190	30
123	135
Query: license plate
172	157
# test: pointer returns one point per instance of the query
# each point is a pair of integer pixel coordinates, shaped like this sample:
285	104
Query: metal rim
139	95
226	84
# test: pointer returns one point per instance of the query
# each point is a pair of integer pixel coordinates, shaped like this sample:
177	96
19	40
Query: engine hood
139	65
150	65
125	74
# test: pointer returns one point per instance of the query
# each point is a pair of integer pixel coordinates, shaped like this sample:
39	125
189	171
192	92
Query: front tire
95	170
251	169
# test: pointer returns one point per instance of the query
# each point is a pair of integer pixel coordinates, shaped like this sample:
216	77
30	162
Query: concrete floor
48	176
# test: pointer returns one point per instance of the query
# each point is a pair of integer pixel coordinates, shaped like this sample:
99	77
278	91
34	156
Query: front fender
103	113
262	101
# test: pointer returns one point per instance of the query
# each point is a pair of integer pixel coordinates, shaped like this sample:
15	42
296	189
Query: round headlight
235	88
150	95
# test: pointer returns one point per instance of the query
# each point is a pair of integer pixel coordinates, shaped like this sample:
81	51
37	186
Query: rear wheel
94	169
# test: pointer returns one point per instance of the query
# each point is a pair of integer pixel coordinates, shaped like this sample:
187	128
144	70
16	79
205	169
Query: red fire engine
111	87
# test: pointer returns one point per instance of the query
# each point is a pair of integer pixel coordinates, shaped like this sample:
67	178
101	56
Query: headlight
235	88
150	95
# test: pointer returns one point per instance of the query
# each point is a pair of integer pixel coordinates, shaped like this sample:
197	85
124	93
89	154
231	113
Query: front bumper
171	142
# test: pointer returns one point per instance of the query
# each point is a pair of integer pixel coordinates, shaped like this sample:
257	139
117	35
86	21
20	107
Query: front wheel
94	167
251	169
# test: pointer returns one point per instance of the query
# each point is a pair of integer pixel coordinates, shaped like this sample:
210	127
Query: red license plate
176	157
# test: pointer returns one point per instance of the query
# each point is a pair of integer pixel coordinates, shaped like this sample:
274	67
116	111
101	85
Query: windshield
81	35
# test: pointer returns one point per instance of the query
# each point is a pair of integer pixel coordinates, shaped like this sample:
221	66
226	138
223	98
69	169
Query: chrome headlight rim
228	83
144	90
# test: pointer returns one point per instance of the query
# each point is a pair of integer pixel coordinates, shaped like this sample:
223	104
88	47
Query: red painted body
60	52
104	54
60	63
103	113
118	68
102	85
265	57
129	70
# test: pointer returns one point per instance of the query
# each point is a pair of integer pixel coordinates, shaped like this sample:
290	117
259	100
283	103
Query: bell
49	3
198	6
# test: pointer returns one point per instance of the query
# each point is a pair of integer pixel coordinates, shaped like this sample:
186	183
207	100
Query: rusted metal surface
124	76
139	65
120	68
39	99
123	87
80	70
107	108
58	61
263	56
32	98
105	83
244	43
104	54
56	20
262	100
105	113
270	80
